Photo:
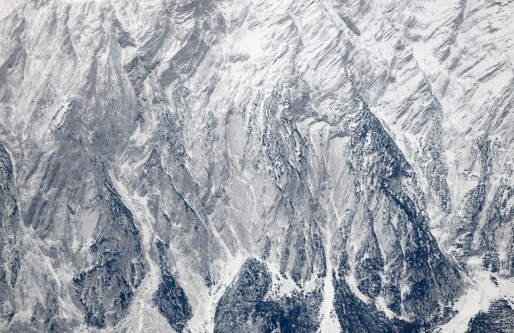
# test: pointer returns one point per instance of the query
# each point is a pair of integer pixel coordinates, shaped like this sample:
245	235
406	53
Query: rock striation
256	166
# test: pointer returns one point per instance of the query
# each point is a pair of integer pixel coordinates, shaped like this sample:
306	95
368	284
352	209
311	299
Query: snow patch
484	288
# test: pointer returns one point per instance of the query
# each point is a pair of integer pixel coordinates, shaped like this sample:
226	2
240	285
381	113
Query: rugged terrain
256	166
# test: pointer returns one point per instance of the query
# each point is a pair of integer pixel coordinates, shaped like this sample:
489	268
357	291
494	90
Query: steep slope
227	166
10	241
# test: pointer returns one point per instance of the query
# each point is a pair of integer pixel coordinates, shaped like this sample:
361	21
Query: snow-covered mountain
256	166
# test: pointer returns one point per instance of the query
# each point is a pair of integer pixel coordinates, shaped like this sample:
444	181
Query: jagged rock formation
170	298
247	306
232	166
10	238
498	318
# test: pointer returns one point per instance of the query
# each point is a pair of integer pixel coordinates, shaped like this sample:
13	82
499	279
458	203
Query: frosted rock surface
267	166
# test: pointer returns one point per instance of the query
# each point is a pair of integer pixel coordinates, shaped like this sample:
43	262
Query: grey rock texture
170	298
10	238
498	318
256	166
247	306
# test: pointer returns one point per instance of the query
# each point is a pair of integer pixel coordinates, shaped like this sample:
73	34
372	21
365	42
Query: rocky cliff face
234	166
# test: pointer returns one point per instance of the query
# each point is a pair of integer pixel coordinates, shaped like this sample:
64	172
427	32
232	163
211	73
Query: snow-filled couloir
260	166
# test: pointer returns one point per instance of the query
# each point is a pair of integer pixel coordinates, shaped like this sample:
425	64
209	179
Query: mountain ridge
353	161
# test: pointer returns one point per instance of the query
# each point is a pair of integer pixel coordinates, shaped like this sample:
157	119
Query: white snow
329	320
7	6
480	292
